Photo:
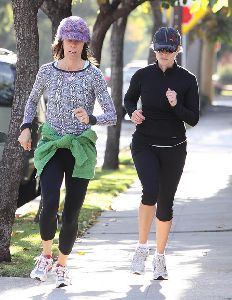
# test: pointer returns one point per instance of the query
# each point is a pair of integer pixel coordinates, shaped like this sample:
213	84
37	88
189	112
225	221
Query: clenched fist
81	114
171	95
25	139
137	116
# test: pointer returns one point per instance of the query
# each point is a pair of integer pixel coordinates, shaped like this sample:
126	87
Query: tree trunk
157	23
11	166
99	31
207	63
56	10
111	160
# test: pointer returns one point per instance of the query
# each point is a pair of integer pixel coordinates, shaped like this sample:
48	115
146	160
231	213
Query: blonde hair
179	49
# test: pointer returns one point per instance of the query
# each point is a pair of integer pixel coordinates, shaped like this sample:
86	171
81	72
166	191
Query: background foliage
137	38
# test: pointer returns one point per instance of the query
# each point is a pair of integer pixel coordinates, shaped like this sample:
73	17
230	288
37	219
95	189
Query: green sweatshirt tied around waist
82	147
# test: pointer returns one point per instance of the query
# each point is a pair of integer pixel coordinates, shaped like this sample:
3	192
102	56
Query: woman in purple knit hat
67	146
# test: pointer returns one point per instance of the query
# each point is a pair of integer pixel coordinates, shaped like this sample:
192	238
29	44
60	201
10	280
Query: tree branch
126	9
116	3
48	6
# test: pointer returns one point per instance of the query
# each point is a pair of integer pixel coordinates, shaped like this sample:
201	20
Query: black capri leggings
159	170
51	179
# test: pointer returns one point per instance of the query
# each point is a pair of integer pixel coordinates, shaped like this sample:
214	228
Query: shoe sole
63	284
38	278
160	278
32	276
137	273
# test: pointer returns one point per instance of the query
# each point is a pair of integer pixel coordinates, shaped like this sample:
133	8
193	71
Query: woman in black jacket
169	97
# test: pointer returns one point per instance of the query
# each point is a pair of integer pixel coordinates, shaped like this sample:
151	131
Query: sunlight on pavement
205	175
208	166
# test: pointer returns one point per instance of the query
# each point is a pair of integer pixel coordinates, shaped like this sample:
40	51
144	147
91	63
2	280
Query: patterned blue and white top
66	91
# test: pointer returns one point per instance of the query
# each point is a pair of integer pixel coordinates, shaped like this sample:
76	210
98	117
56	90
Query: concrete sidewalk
199	251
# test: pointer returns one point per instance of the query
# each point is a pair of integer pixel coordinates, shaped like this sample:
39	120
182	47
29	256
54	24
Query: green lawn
25	243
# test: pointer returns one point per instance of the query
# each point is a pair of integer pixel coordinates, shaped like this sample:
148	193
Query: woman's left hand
171	95
81	114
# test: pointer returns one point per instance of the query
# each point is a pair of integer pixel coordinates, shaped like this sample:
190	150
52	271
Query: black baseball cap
166	38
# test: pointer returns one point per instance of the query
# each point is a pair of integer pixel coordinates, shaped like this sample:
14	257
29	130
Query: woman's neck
165	67
71	64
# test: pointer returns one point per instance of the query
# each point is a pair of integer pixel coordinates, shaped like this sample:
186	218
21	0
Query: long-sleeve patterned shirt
66	91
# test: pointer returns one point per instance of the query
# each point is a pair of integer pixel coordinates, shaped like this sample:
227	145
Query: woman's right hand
137	116
25	139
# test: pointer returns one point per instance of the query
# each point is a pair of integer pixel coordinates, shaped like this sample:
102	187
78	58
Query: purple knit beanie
73	28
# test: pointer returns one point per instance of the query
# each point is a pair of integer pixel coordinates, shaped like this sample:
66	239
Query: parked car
7	76
29	187
223	83
128	72
217	85
107	75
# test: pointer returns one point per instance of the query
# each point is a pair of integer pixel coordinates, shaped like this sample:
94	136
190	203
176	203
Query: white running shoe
62	276
138	261
160	270
43	266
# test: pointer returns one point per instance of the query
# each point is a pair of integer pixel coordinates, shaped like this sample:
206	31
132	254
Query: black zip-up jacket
163	124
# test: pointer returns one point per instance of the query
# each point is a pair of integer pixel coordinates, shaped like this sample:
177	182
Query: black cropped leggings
159	170
51	179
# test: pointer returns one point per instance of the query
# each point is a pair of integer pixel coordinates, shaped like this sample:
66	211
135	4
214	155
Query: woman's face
72	48
165	58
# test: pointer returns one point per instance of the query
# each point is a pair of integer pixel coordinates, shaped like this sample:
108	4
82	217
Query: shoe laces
42	263
140	254
159	263
61	272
